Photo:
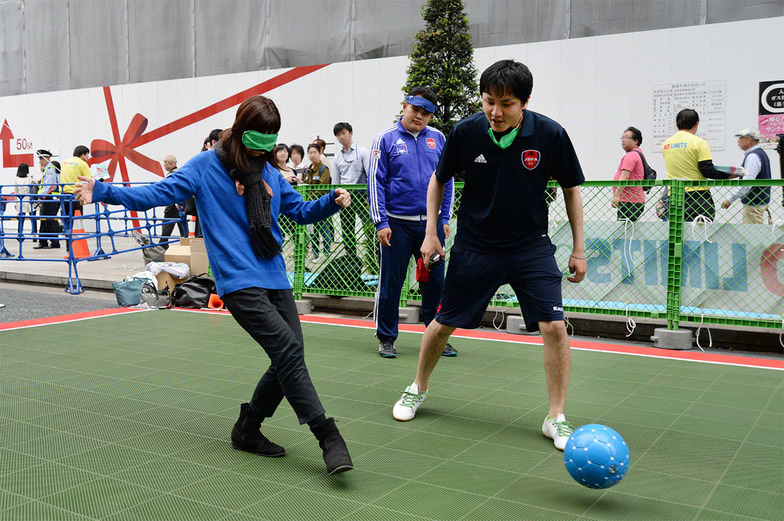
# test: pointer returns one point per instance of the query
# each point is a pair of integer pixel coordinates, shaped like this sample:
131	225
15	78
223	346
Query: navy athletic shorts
473	278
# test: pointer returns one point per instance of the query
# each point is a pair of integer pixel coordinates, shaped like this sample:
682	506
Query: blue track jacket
400	169
234	262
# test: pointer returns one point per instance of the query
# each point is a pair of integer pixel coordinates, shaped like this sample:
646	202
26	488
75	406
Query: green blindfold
258	141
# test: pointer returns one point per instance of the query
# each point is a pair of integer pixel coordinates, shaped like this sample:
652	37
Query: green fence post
299	253
675	254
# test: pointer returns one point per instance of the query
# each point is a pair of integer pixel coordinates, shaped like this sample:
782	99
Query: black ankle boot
246	435
336	454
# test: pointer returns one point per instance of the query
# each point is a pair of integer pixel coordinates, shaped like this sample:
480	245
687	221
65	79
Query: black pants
630	211
698	202
50	227
270	317
69	208
172	211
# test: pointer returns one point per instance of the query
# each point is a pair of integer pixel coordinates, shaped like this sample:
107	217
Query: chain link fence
680	251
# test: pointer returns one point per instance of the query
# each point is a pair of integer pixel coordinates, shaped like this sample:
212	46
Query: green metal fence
679	258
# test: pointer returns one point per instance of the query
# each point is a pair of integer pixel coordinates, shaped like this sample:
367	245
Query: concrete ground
49	267
28	301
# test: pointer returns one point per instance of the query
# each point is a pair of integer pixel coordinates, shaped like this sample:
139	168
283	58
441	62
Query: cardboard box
199	262
191	252
177	253
165	279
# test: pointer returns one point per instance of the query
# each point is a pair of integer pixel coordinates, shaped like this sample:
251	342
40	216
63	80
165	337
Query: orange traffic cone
215	302
192	232
79	247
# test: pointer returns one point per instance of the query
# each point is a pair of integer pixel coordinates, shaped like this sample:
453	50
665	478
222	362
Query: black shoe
386	349
246	435
333	446
41	246
449	351
54	246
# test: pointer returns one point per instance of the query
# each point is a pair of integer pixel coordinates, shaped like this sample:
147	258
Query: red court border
584	345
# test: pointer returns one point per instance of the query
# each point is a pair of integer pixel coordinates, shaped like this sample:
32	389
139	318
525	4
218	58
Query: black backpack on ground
194	292
649	174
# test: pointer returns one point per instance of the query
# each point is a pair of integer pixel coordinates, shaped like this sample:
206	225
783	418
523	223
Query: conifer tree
443	59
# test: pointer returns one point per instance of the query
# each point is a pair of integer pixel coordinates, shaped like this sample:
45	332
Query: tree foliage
443	59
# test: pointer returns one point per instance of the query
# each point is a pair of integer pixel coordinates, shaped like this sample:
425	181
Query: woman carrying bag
27	186
239	196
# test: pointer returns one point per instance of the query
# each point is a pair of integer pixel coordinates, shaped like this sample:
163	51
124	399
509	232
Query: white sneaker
406	407
557	430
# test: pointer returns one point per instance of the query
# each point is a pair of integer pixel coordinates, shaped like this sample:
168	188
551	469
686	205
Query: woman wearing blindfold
239	196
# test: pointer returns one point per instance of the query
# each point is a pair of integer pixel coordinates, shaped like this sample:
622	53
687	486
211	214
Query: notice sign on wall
708	98
771	110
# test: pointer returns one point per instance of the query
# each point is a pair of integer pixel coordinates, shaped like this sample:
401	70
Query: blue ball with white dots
596	456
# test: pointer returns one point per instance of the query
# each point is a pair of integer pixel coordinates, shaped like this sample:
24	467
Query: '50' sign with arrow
13	160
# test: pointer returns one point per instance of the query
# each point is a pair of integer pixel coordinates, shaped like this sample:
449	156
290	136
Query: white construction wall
595	87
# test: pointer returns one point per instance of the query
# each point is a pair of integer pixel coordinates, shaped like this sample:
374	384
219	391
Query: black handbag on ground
154	298
194	292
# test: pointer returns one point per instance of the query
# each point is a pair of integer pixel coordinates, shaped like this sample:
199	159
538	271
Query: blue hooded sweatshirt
235	264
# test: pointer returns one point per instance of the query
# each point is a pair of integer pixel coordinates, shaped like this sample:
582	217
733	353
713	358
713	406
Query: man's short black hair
636	134
214	135
340	127
686	119
298	148
81	150
507	76
424	92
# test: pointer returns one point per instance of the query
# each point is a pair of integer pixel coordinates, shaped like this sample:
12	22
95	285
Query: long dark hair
255	113
22	170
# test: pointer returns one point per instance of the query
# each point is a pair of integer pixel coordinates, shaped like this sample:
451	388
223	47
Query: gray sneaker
449	351
386	349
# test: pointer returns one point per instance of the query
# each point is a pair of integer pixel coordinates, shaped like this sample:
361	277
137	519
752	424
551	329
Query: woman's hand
342	197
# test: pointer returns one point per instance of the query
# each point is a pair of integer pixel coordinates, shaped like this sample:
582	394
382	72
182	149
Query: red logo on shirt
531	158
431	143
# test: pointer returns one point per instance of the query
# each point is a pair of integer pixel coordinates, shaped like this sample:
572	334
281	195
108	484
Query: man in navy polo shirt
507	155
402	160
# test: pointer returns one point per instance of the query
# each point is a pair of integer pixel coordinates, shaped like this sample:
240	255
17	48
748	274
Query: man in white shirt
352	163
755	199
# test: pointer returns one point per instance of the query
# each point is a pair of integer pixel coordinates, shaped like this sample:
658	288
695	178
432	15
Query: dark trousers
172	211
69	208
698	202
50	227
270	317
630	211
407	237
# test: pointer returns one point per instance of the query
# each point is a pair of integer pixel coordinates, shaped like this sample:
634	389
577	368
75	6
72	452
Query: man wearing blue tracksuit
402	160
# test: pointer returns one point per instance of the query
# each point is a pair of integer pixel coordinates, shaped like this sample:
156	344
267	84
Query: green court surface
127	417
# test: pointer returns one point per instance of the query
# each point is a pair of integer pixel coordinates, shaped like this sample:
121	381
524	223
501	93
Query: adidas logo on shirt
480	159
400	141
